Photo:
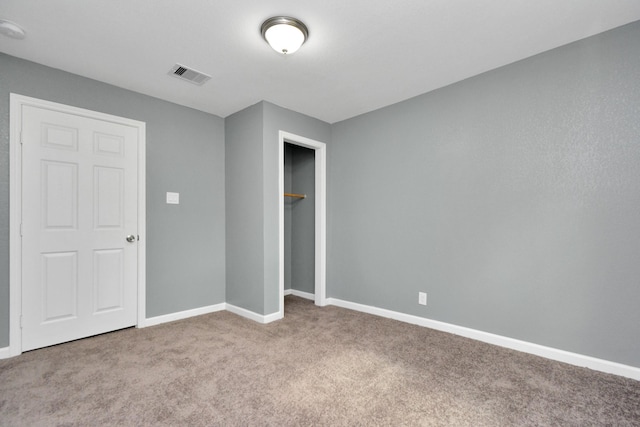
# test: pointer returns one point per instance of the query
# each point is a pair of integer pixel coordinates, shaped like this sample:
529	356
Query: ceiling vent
189	74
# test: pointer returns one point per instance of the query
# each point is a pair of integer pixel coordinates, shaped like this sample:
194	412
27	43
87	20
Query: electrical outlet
422	298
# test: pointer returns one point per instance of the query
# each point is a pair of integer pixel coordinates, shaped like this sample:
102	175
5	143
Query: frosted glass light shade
11	29
284	34
284	38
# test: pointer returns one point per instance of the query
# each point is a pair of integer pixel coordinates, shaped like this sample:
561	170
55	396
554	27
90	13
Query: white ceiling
361	54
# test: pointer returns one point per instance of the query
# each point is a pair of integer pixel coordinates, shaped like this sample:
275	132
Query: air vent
189	74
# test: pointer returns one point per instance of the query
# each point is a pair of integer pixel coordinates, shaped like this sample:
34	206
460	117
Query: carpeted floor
317	367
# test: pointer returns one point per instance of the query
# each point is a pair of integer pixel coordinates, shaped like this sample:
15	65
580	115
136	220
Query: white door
79	204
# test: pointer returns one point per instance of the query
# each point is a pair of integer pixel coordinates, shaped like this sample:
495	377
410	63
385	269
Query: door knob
131	238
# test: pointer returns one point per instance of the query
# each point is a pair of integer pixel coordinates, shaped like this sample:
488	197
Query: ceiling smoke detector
189	74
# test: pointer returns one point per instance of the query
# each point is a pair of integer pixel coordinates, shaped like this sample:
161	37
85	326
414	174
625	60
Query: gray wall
185	154
512	198
244	208
303	221
299	219
275	119
252	200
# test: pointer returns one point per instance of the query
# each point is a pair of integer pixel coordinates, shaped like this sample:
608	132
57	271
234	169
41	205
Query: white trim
260	318
157	320
288	292
281	224
15	218
142	224
302	294
5	352
321	227
268	318
15	203
320	214
524	346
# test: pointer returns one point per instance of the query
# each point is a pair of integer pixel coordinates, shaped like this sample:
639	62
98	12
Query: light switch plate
173	198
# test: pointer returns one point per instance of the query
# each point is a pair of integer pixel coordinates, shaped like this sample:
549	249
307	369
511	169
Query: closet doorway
302	212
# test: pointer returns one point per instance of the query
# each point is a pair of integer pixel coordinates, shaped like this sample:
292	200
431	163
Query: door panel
108	200
108	279
59	195
59	286
79	274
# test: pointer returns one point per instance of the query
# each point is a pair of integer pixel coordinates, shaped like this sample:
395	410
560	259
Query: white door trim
17	102
320	214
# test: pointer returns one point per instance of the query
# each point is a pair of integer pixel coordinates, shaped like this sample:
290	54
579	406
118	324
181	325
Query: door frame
17	102
320	149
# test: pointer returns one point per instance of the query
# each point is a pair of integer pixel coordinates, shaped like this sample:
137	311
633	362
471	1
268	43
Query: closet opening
299	221
302	218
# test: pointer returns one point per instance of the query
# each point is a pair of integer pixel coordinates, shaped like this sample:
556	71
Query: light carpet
317	367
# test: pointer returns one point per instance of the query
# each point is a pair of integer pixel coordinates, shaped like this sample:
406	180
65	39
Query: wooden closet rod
299	196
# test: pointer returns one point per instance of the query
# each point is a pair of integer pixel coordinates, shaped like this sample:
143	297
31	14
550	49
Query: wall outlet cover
422	298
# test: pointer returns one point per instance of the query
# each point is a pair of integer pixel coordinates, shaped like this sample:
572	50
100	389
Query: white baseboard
5	353
260	318
268	318
157	320
524	346
301	294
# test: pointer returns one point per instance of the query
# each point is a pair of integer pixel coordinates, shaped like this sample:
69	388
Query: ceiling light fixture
284	34
11	29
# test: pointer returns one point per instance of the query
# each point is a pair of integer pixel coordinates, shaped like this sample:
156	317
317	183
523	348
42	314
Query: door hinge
21	321
20	137
20	229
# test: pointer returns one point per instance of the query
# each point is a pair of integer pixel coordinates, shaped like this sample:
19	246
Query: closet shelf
298	196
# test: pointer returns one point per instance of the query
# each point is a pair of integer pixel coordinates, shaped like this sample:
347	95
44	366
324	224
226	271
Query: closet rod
299	196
